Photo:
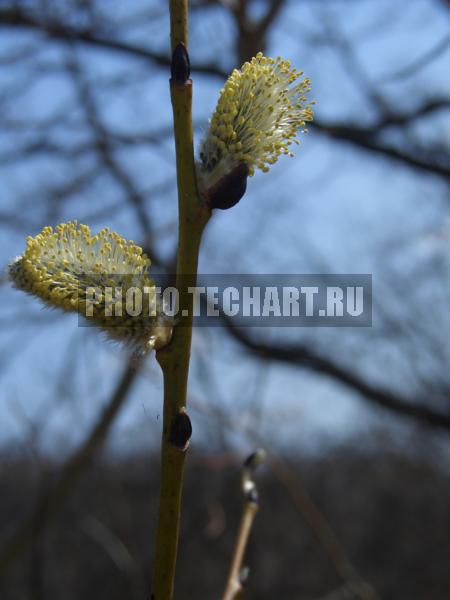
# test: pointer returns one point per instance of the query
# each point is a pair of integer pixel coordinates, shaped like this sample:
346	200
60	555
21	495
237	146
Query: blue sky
333	208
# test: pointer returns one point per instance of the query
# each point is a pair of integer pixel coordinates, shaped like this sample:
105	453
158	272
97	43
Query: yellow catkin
63	266
259	112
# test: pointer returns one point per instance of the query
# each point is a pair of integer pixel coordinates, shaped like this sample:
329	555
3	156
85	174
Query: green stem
174	359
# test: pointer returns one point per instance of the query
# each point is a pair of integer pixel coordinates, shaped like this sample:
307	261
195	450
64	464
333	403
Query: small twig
421	62
237	574
290	479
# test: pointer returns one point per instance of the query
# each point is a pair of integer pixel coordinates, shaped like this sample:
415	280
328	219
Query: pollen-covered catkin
259	112
71	269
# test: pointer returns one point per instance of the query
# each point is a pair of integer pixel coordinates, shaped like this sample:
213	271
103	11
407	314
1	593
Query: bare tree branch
421	62
365	138
298	355
359	136
59	31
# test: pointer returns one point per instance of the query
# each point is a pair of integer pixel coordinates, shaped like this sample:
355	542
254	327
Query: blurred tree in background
85	131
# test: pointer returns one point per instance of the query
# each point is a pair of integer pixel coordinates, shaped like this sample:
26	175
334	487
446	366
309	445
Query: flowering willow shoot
260	110
71	269
105	279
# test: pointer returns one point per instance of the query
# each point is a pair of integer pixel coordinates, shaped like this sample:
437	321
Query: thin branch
272	13
105	151
404	118
235	578
419	63
303	503
305	357
300	355
60	31
364	138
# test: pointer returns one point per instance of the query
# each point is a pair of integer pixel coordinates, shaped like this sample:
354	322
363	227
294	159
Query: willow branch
174	359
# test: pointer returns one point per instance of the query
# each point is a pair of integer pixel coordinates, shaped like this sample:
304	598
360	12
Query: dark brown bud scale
180	67
229	190
180	430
